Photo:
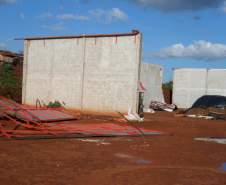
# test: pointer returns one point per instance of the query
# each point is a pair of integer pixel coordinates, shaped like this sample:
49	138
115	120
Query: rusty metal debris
25	122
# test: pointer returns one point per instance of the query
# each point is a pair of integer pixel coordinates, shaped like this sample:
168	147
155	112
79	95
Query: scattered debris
217	116
212	139
201	117
132	116
99	141
155	105
223	167
152	111
15	110
25	123
208	107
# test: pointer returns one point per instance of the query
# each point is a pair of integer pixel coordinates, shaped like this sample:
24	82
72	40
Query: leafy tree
168	85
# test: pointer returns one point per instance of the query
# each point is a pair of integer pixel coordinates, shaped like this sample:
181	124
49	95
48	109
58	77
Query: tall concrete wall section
216	82
53	71
151	77
111	73
96	73
188	86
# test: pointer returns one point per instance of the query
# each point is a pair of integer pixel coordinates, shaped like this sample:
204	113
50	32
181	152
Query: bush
168	85
10	82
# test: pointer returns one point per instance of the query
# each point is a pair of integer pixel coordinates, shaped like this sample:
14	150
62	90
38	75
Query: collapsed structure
24	122
85	72
151	78
191	84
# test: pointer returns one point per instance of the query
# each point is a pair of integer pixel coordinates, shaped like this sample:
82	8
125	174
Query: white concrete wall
53	71
216	82
96	74
190	84
151	77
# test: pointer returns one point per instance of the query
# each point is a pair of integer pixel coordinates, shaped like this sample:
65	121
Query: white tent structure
190	84
151	77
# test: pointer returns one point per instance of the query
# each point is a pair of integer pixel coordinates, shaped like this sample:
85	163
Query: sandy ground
174	158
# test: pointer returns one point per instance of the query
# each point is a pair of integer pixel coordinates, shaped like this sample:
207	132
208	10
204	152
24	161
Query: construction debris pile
20	122
155	105
208	107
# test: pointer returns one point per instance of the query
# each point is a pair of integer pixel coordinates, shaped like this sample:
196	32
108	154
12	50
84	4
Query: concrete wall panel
188	86
216	82
151	77
54	72
97	74
111	74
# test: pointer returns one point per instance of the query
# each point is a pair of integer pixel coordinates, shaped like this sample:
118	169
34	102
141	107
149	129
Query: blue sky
176	33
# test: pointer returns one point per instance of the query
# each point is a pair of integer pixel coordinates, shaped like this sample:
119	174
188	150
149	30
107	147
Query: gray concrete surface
94	74
190	84
151	77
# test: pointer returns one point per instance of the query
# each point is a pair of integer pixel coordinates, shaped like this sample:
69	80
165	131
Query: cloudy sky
176	33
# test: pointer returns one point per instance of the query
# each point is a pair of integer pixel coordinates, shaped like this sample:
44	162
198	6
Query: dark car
215	101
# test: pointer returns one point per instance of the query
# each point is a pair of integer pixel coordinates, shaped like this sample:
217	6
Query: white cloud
199	50
118	14
106	16
2	46
65	17
114	14
4	2
55	27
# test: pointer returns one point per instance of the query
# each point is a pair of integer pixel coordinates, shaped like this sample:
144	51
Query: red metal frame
28	128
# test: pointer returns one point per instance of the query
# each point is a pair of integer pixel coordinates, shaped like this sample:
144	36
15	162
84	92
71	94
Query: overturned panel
94	72
43	115
151	77
188	86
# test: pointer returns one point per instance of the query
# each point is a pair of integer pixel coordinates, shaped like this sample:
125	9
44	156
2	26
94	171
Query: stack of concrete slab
191	84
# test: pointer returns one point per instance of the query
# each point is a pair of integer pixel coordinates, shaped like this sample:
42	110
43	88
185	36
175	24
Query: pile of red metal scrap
25	123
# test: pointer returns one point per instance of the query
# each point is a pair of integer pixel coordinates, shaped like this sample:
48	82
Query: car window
217	101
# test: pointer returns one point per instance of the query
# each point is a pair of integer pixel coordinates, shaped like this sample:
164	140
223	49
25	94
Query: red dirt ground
171	159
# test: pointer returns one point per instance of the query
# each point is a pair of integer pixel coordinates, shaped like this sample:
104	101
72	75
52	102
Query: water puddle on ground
212	139
135	159
223	167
